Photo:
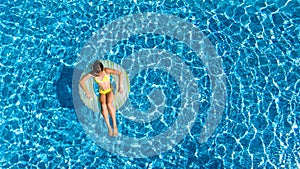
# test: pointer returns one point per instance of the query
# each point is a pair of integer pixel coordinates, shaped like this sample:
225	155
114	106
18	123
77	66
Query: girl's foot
110	132
115	132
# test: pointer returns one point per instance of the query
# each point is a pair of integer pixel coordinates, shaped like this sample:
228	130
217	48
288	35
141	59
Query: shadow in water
64	87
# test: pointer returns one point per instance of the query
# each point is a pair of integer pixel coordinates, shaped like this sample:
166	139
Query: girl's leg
112	111
102	99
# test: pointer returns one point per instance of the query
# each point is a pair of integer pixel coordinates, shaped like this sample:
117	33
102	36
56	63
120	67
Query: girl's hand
88	95
120	90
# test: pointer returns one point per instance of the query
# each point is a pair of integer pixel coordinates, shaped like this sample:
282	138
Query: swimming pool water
258	43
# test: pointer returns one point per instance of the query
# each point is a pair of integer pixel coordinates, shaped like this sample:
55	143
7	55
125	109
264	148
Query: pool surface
256	49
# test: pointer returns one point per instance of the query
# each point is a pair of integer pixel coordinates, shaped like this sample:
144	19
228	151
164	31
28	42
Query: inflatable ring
119	98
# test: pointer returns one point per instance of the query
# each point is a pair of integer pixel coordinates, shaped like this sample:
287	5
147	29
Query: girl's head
97	67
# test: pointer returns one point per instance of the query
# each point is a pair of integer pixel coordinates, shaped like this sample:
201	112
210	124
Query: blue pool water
258	43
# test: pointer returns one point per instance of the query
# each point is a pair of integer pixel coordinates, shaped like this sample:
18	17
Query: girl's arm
119	73
82	84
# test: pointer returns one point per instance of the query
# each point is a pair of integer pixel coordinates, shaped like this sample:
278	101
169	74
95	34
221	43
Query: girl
102	76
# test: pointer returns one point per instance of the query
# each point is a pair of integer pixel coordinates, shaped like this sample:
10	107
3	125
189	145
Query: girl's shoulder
106	71
90	74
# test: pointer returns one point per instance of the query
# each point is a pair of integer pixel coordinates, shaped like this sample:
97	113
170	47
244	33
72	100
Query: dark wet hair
97	67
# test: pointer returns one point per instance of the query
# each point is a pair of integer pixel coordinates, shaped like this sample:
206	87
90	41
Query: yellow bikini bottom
105	91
